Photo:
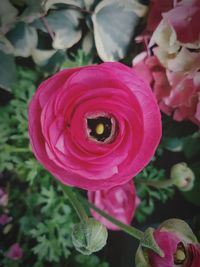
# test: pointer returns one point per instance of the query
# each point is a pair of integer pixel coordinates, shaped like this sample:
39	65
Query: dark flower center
180	254
100	128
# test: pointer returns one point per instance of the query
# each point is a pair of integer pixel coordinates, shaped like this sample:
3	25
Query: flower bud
182	176
89	237
178	244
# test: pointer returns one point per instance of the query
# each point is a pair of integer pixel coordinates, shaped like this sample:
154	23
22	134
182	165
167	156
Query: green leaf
23	38
89	3
7	71
8	15
115	22
191	146
6	46
173	144
141	258
148	241
35	9
65	25
41	57
50	3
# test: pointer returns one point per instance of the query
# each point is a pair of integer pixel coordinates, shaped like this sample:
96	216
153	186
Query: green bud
182	176
89	237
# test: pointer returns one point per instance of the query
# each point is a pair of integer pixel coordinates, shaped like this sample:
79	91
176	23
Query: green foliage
43	219
89	261
41	29
115	23
149	194
7	71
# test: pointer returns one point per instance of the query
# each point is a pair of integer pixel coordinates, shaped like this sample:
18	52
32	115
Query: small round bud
182	176
89	237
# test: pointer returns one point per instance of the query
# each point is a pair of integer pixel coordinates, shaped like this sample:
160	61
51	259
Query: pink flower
168	243
153	72
175	251
4	219
120	202
156	9
184	19
183	98
193	256
94	127
178	244
15	252
177	93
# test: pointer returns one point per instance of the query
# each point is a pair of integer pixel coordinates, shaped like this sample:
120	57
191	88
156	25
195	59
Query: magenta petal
119	202
59	133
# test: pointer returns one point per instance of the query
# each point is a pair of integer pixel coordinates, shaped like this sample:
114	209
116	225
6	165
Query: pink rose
94	127
120	202
15	252
175	251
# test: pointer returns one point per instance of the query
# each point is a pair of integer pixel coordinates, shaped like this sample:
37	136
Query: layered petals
67	109
119	202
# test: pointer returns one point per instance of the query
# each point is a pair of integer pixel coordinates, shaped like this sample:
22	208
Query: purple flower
4	219
15	252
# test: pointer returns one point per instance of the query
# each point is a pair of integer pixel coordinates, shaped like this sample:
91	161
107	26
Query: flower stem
75	203
157	184
132	231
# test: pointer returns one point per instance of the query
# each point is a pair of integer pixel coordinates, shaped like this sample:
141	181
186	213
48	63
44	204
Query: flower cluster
172	62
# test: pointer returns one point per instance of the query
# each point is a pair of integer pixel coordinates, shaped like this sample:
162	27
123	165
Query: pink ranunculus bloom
193	255
176	252
119	202
15	252
94	127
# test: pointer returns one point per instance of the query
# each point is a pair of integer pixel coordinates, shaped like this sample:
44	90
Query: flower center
180	254
100	128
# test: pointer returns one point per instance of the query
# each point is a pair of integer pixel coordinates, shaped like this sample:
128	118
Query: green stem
157	184
124	227
75	203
